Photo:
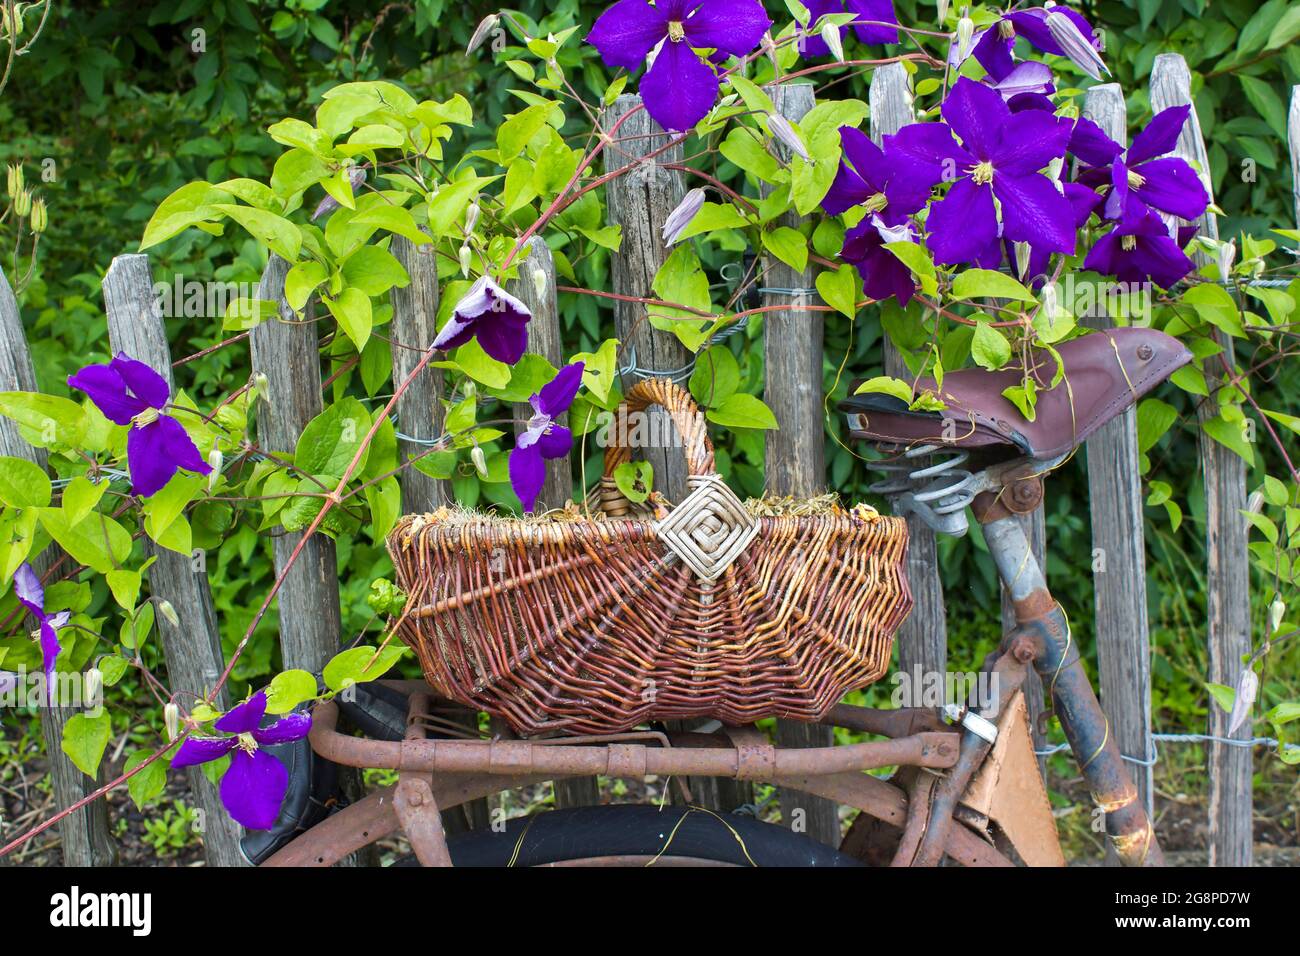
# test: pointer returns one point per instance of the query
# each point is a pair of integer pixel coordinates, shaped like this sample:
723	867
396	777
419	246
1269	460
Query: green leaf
989	347
1024	397
187	206
789	246
352	309
125	586
44	420
598	368
916	259
23	484
97	541
716	376
393	218
682	279
166	505
481	367
147	785
742	411
515	133
331	439
360	664
978	283
1223	695
288	689
1227	429
84	740
712	217
821	131
374	271
385	501
635	479
1154	418
276	232
839	289
302	281
886	385
1213	304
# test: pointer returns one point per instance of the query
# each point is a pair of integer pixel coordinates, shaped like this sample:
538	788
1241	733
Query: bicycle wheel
638	835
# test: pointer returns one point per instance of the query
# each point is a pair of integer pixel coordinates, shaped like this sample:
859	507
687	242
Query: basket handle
686	417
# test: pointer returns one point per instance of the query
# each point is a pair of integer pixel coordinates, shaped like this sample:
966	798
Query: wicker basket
709	609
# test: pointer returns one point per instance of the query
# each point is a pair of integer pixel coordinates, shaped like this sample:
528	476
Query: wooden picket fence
287	352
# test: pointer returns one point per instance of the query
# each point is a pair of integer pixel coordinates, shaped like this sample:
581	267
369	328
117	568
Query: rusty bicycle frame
971	793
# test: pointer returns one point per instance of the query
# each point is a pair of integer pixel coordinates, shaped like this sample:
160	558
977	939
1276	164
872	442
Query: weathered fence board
1118	541
1293	141
420	415
795	454
639	202
419	411
545	339
84	835
287	351
923	638
193	647
1228	571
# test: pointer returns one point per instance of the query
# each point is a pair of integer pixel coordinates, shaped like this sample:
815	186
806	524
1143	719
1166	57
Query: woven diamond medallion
709	529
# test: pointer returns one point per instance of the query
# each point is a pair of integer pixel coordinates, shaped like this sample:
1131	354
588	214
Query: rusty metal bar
1056	658
506	757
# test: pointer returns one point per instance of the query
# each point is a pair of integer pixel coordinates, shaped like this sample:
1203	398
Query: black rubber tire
638	831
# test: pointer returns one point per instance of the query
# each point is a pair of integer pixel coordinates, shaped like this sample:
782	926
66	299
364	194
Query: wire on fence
1270	742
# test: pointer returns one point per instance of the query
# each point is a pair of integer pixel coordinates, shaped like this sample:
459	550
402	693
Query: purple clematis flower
28	588
883	273
492	315
680	87
1147	178
865	178
992	48
1000	156
131	393
873	15
254	785
544	438
1138	251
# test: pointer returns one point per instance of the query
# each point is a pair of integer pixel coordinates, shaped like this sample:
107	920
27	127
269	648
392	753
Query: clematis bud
485	26
260	385
168	612
785	133
1276	611
1247	690
471	217
480	461
469	391
1255	503
1227	254
14	180
39	217
465	253
1022	258
1051	304
94	685
681	217
1076	46
539	281
172	720
768	46
22	203
965	33
215	460
943	11
831	34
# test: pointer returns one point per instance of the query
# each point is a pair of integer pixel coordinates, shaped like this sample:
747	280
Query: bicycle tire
638	835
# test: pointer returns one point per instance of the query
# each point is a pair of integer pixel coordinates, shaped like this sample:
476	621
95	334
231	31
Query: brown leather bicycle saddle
1105	373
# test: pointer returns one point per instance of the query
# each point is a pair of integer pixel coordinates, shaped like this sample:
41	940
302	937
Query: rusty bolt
1023	650
1145	352
415	799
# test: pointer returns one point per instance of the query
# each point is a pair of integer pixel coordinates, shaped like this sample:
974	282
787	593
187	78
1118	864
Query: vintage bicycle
966	790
